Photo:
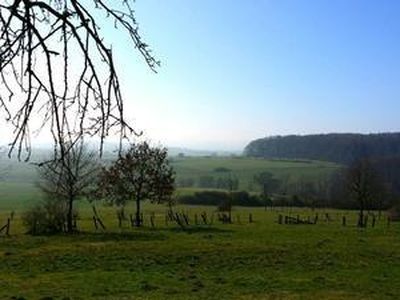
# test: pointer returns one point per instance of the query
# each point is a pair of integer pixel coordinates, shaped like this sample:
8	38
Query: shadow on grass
89	236
141	235
198	229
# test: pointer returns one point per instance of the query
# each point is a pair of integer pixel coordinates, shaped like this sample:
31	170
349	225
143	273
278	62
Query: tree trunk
70	227
138	222
361	218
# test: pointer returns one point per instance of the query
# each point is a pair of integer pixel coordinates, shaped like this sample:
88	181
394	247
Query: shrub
394	213
47	217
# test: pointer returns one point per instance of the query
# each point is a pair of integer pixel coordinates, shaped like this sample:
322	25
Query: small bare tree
364	186
65	181
54	62
268	185
142	173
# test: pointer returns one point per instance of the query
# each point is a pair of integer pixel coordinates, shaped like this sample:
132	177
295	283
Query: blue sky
237	70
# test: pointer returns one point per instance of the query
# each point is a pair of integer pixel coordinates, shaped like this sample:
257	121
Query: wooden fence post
280	218
95	223
8	227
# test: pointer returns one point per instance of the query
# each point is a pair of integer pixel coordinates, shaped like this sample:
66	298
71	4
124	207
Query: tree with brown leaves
141	173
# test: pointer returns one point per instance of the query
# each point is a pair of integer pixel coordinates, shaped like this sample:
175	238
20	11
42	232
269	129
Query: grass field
260	260
245	168
18	179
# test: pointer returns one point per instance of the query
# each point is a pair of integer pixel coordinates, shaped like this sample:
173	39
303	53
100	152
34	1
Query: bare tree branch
55	63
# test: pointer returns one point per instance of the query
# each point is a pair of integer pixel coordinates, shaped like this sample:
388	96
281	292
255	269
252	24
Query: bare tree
364	186
67	180
142	173
55	62
268	185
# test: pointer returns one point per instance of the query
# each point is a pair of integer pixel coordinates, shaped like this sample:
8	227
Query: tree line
364	185
339	148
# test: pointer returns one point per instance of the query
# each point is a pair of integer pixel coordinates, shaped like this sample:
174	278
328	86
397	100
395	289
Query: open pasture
259	260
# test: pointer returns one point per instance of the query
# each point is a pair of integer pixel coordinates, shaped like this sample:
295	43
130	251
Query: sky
233	70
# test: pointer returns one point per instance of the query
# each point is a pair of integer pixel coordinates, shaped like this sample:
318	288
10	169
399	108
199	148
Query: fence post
8	227
280	218
95	223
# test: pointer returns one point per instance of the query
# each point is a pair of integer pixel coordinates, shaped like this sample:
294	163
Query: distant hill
336	147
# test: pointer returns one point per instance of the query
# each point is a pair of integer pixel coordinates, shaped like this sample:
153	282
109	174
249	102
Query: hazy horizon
237	71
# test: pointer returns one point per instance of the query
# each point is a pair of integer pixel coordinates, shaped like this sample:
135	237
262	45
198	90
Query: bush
394	213
48	217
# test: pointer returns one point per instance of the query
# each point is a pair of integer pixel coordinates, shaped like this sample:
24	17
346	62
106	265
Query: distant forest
382	150
336	147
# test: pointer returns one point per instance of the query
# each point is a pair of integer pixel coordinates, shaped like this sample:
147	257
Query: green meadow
246	168
259	260
243	260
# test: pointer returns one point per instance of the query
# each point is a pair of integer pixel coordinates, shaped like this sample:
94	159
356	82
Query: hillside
339	148
197	169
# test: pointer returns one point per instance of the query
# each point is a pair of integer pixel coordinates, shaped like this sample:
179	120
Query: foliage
388	169
141	173
339	148
47	217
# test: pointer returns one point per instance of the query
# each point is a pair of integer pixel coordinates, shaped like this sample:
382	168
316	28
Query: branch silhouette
54	62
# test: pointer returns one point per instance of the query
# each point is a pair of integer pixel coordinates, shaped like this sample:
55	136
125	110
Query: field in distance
244	169
18	180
